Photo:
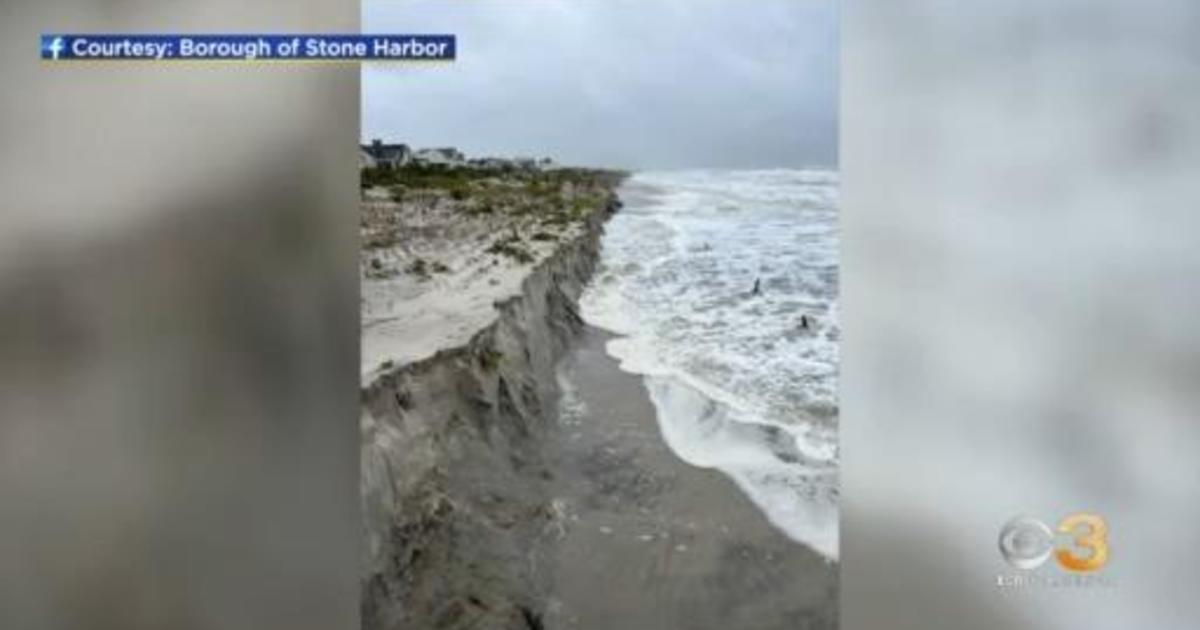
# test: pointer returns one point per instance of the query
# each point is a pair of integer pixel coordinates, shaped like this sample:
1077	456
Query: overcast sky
629	83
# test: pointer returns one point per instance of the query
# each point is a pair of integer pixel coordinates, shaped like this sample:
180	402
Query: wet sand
651	543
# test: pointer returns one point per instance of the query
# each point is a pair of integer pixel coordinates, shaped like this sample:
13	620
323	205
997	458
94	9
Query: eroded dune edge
456	500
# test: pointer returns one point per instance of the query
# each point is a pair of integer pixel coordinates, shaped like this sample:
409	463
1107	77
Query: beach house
387	155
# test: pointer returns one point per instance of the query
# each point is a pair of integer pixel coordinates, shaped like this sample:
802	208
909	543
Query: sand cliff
456	483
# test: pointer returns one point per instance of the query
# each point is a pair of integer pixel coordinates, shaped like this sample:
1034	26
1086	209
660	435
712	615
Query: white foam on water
739	383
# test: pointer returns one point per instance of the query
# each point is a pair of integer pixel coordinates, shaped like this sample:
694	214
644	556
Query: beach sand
407	318
650	542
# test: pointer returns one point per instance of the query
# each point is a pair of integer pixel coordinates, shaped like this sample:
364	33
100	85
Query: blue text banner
248	48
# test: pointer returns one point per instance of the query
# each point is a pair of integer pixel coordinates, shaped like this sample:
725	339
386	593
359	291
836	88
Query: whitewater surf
722	288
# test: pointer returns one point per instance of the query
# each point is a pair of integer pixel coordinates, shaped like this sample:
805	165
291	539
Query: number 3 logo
1089	532
1026	543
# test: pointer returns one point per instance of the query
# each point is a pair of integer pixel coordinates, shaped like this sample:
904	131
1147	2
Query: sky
637	84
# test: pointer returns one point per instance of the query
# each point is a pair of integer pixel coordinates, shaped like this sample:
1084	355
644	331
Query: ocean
743	379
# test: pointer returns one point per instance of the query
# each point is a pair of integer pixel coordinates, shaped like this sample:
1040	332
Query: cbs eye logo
1081	543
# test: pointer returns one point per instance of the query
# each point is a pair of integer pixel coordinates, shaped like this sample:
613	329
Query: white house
447	156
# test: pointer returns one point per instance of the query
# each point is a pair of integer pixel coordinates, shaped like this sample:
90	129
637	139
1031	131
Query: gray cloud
631	83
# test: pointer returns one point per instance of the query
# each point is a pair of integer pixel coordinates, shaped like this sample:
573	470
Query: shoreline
652	541
486	503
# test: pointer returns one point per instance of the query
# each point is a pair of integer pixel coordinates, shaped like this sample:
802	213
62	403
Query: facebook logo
53	47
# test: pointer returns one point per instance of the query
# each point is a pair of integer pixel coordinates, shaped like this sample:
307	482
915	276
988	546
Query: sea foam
742	382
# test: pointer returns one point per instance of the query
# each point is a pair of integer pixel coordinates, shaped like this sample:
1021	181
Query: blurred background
178	328
1021	257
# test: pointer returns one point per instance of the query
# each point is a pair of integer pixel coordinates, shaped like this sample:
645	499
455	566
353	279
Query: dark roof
381	151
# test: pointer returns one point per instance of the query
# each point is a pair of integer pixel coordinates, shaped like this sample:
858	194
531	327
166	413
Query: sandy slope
408	316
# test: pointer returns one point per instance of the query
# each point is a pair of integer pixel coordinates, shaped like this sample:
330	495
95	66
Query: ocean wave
744	379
